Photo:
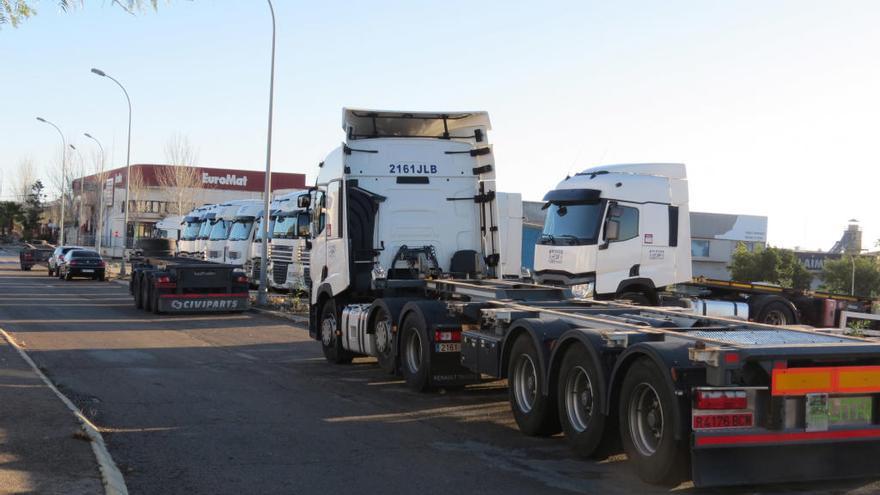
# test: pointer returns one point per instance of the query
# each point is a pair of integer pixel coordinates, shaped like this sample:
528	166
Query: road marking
114	483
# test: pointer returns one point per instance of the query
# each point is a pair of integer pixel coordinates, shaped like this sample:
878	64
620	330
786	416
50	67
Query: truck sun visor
572	196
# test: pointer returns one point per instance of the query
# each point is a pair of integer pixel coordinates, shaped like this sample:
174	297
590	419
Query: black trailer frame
174	284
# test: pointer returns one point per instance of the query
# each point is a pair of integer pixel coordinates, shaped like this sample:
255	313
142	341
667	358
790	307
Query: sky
772	105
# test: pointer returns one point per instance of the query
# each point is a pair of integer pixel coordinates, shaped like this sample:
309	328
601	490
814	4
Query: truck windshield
220	230
191	231
204	230
572	224
285	227
241	230
258	236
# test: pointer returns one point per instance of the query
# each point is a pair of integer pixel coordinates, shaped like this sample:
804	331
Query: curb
114	483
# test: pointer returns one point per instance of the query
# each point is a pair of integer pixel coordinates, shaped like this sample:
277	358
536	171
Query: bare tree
180	179
25	179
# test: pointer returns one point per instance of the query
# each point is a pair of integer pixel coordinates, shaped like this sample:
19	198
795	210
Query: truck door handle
604	245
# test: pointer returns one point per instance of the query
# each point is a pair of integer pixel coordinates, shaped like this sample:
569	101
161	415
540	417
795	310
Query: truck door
620	247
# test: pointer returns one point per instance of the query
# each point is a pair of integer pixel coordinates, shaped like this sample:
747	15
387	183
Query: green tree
32	209
15	11
10	211
837	276
773	265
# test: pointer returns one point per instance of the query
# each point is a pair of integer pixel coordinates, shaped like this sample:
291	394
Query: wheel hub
328	330
383	337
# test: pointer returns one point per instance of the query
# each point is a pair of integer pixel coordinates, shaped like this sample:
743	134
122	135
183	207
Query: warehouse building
157	191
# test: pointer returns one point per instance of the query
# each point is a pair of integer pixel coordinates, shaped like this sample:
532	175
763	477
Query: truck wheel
647	424
50	272
636	298
415	353
145	293
136	291
776	313
331	344
580	401
154	302
535	413
385	343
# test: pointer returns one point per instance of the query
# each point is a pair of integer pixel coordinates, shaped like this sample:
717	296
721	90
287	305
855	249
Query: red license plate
729	420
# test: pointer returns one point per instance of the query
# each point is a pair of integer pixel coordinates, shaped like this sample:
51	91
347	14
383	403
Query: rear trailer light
447	335
721	399
241	279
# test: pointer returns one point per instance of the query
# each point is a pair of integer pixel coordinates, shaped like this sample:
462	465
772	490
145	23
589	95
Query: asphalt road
246	404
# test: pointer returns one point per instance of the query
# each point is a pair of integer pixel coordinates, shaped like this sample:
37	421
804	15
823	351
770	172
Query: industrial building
157	191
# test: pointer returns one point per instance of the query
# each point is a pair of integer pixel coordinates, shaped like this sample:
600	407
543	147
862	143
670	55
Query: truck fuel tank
724	309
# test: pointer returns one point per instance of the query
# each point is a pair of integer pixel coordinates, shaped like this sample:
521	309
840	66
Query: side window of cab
625	220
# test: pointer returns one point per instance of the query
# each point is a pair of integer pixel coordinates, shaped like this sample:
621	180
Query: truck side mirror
303	201
612	230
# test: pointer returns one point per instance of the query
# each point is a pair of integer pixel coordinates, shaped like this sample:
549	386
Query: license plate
724	420
823	411
88	270
456	347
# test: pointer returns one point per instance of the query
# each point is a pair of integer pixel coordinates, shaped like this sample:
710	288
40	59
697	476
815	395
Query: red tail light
241	279
165	282
721	399
102	264
163	279
447	335
73	262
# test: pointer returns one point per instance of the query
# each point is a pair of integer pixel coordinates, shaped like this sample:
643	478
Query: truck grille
279	272
281	253
255	269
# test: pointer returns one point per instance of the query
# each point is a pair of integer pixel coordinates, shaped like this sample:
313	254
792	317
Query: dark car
57	259
82	263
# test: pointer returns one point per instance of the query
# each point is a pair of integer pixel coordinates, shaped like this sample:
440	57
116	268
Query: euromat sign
225	180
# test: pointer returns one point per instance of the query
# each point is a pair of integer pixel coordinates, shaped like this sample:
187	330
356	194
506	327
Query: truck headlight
583	291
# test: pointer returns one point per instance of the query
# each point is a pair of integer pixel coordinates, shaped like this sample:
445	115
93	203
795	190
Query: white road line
114	483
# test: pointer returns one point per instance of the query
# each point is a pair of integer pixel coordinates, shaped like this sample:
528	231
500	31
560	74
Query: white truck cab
216	246
241	235
170	228
289	254
201	242
617	230
191	225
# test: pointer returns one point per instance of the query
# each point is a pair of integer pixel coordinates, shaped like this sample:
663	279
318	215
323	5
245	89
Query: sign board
108	192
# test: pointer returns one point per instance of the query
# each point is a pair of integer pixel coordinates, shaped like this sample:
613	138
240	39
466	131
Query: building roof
212	178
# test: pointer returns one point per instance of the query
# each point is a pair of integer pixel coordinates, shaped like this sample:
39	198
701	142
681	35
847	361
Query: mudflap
804	462
447	371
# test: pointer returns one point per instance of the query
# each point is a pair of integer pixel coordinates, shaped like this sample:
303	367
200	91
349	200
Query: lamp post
125	205
100	198
63	177
80	213
267	187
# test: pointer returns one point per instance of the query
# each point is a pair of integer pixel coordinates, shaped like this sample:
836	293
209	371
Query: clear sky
773	105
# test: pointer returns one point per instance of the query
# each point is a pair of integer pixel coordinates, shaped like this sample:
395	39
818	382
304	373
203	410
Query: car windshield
220	230
191	231
241	230
204	230
285	227
572	224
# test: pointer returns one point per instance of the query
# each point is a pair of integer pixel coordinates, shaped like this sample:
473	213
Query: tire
415	352
776	313
535	413
636	298
68	276
154	302
58	272
102	278
331	344
651	446
385	343
580	401
136	292
50	272
146	294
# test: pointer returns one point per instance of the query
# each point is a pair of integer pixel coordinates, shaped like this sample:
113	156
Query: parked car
82	263
58	257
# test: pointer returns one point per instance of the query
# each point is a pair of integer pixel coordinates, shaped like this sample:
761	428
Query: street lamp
63	177
100	199
82	170
125	206
262	295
